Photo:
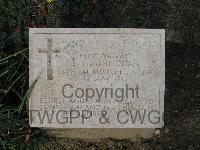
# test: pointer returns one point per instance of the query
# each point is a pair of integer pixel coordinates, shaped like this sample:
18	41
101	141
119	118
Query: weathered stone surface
97	78
93	134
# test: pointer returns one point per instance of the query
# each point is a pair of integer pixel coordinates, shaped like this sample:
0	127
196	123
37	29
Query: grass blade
10	87
6	70
13	55
27	95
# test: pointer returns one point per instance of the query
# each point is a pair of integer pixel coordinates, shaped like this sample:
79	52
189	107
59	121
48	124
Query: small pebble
167	130
157	132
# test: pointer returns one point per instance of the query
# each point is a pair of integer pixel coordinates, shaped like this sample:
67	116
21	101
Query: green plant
16	16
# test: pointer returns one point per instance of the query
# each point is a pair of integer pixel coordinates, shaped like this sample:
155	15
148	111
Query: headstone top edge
96	30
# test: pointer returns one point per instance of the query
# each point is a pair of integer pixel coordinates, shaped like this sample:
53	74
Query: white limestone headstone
97	78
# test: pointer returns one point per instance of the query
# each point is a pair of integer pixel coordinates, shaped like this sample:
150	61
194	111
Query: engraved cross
49	52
